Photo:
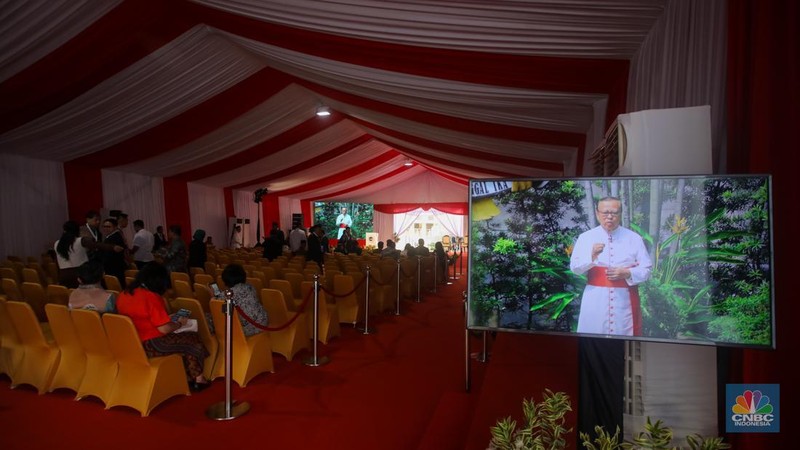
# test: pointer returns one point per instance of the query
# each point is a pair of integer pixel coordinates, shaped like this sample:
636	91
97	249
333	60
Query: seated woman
90	293
142	301
246	298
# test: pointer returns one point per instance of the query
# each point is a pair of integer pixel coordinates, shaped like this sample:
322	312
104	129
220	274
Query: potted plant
544	430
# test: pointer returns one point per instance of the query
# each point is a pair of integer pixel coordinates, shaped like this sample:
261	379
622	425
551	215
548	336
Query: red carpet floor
400	388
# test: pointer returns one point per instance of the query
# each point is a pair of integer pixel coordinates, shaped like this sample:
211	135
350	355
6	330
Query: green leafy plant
544	430
604	440
544	425
655	436
697	442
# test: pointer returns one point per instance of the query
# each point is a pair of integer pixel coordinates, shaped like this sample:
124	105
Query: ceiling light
408	163
323	111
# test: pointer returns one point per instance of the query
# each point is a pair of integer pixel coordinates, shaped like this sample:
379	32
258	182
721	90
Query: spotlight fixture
323	111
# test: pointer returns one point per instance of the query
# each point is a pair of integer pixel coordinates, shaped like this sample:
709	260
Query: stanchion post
461	259
484	356
227	410
315	360
435	271
419	276
366	329
397	307
467	380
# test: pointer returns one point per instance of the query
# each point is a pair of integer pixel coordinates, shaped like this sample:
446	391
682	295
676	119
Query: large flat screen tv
684	259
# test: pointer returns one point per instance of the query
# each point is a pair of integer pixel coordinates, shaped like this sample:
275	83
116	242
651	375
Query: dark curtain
763	119
601	366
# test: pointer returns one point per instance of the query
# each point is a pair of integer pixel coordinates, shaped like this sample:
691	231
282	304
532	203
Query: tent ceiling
224	92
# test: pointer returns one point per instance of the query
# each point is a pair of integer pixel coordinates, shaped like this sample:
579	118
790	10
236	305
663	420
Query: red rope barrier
301	308
388	283
334	295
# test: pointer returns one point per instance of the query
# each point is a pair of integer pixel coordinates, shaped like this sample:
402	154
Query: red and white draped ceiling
223	93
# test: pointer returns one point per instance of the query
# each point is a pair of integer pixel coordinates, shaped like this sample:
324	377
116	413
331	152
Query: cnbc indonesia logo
752	409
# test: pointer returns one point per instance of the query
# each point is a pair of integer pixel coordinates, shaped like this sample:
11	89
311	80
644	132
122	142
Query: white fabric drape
207	210
33	205
682	62
172	79
404	221
383	224
139	196
245	208
499	26
33	28
453	223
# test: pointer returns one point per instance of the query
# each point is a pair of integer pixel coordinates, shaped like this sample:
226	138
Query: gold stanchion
397	307
229	409
419	277
366	329
315	360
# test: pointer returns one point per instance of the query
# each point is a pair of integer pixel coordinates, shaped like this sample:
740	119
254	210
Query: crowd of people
85	253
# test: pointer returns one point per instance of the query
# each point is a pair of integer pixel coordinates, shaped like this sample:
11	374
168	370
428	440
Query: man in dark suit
314	252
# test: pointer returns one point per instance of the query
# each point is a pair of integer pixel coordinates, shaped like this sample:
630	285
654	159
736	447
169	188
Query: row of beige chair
93	356
36	295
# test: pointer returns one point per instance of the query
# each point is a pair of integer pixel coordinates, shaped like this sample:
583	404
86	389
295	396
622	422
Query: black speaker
297	219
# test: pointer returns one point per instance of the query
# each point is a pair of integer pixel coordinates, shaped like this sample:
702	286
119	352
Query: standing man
160	238
615	261
296	236
314	252
92	238
143	242
343	221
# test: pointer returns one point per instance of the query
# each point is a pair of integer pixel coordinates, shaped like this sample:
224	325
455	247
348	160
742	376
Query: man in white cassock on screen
615	261
343	221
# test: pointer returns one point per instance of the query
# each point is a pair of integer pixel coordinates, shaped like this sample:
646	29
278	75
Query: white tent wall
139	196
383	224
682	63
207	211
245	208
33	202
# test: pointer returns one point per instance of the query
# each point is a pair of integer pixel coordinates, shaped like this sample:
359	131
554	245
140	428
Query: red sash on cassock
597	277
341	225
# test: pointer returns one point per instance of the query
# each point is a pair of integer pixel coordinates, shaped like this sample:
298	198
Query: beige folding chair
39	358
294	337
252	355
328	320
72	364
101	365
11	350
142	383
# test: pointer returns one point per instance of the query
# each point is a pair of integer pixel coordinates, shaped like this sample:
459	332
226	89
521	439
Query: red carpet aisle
523	366
401	388
389	390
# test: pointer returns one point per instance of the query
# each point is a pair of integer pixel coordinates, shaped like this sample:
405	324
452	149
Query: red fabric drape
307	209
176	206
270	212
398	208
84	190
763	115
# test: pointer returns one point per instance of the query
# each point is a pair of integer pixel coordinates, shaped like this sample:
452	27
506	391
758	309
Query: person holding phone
142	301
615	261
